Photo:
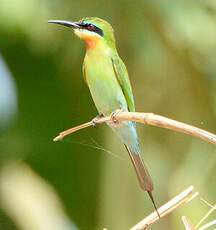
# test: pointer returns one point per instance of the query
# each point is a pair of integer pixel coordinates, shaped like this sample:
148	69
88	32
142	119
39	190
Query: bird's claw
94	121
113	115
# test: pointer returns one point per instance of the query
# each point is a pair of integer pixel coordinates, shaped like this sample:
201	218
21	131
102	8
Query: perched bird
109	85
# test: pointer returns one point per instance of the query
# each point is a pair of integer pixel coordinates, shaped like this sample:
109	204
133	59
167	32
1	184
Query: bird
108	81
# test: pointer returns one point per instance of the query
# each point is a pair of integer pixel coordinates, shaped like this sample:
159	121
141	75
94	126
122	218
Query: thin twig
187	223
208	225
213	207
150	119
189	226
168	207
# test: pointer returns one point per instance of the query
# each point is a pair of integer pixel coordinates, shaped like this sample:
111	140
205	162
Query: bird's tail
143	176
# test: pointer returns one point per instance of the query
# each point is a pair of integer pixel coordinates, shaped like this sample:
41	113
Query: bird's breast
103	84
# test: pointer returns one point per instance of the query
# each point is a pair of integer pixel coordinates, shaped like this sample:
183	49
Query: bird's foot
96	119
113	115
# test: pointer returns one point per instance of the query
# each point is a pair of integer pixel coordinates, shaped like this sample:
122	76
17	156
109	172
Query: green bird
109	85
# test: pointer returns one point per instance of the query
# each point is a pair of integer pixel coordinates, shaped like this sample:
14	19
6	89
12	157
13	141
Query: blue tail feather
128	135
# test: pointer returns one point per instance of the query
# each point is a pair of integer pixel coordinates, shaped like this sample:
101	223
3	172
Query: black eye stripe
94	29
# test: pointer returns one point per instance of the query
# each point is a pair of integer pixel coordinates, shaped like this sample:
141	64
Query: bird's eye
91	26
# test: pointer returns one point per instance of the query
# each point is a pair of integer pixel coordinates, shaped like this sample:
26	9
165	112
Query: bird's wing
84	72
123	79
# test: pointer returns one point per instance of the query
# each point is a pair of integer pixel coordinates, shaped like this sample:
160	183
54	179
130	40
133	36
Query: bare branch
189	226
168	207
150	119
187	223
208	225
213	208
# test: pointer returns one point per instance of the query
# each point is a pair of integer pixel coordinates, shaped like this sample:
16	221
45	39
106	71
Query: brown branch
168	207
150	119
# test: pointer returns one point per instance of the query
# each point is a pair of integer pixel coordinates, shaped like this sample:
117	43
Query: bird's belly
105	89
107	99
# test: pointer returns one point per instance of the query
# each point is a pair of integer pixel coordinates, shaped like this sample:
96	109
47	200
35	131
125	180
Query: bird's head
91	30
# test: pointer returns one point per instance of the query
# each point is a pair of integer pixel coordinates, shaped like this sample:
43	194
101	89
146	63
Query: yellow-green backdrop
169	48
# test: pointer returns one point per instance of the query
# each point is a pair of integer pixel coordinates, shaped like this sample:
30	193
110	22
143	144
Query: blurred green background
169	48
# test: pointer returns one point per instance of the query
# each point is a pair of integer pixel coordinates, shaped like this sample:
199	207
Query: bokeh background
86	181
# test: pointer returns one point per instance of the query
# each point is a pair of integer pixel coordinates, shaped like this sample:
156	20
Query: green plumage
109	84
108	81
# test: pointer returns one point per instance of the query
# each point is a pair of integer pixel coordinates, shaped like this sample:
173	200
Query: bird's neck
97	49
97	45
92	42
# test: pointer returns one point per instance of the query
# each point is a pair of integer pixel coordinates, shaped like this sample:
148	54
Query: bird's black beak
74	25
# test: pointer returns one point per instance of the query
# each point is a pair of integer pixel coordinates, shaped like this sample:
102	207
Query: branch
150	119
189	226
168	207
187	223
